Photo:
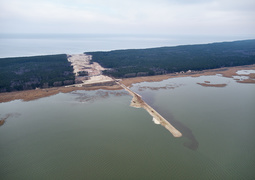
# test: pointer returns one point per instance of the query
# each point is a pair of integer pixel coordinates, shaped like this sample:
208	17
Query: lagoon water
97	135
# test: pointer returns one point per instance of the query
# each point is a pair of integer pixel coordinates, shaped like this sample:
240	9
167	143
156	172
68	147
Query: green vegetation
137	62
23	73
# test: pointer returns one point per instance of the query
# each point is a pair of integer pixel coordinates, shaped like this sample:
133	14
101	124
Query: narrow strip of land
138	102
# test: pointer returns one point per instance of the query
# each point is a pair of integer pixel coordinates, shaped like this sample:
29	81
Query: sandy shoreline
29	95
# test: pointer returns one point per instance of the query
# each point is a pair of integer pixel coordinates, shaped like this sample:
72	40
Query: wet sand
29	95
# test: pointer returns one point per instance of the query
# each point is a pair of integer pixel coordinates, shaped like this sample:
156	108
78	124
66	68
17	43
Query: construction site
88	73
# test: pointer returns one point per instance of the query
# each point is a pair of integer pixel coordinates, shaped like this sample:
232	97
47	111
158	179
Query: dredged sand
138	102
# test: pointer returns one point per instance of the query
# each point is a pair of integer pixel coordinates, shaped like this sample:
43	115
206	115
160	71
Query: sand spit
157	118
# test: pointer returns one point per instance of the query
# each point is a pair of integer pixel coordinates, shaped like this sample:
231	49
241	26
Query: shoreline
29	95
225	71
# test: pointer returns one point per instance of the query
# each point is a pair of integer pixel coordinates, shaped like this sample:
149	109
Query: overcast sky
189	17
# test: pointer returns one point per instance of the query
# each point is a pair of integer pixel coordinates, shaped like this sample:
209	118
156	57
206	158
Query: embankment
138	102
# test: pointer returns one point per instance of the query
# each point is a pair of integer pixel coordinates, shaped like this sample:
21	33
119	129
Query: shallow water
97	135
245	72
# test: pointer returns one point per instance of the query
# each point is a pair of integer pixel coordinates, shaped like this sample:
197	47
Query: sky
176	17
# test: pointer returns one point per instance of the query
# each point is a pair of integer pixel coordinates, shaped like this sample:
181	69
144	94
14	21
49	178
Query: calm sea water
97	135
14	45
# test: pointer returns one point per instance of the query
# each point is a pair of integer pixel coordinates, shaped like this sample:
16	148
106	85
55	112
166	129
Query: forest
153	61
23	73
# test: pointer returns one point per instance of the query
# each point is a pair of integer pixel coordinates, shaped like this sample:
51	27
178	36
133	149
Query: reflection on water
5	117
166	86
82	96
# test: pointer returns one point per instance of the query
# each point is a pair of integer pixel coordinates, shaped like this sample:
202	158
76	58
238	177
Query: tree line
22	73
162	60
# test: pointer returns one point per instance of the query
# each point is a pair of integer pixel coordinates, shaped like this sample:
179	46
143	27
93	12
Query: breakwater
138	102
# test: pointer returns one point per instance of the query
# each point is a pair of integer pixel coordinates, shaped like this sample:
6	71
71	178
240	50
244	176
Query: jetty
138	102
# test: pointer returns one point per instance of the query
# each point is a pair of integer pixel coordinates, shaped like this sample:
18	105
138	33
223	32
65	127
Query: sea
16	45
97	135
